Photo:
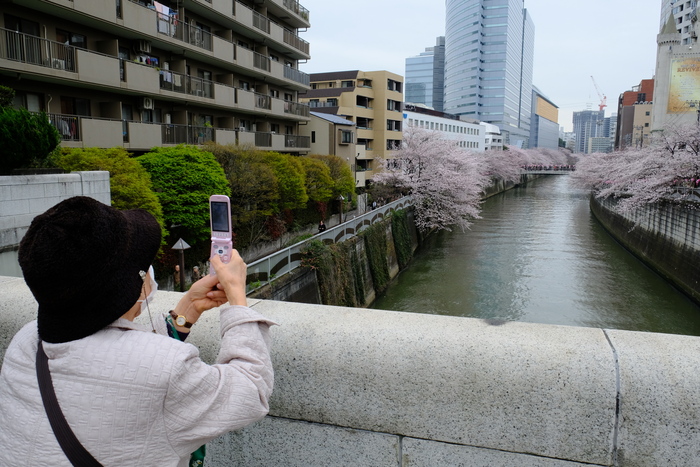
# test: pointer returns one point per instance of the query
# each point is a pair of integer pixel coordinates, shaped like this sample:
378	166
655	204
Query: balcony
296	108
172	27
179	82
32	50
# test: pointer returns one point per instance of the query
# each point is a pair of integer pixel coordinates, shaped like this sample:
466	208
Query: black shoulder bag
76	453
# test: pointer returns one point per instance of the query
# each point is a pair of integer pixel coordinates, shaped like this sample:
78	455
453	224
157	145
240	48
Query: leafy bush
129	182
183	178
7	95
26	139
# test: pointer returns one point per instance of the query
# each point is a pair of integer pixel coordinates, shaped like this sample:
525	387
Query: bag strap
76	453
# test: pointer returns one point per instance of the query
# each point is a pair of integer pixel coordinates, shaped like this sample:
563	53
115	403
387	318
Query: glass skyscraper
425	76
489	53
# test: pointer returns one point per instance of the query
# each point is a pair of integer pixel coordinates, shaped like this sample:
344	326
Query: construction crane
601	96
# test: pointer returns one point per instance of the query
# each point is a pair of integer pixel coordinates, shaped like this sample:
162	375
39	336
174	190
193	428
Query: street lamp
341	199
181	245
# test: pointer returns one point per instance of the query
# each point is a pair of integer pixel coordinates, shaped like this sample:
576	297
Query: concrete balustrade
380	388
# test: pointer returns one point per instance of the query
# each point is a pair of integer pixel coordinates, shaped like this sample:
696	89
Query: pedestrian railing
264	270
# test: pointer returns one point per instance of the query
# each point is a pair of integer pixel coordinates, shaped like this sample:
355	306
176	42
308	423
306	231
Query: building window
275	128
394	85
346	137
313	136
347	84
69	38
647	113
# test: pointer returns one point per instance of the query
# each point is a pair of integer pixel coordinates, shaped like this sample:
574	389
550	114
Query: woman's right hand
232	277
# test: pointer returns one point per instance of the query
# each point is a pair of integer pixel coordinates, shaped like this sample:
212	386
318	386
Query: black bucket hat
82	261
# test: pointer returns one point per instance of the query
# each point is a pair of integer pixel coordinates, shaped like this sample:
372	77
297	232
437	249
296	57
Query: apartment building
370	99
140	73
634	109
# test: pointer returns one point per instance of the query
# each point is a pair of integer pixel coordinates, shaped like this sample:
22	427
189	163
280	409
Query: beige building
139	73
371	100
337	136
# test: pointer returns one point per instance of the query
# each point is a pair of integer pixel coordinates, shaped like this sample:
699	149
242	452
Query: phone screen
219	216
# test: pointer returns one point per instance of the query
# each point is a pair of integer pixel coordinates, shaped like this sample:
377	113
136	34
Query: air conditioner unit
147	103
57	63
142	46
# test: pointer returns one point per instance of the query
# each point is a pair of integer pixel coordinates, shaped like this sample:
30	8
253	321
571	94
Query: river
538	255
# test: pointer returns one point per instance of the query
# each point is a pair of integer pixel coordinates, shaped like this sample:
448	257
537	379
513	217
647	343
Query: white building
493	139
677	79
468	135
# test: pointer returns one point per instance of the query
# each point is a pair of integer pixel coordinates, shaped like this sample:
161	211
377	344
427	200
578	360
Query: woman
131	394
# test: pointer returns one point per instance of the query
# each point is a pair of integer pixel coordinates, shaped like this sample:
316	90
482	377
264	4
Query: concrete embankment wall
666	237
379	388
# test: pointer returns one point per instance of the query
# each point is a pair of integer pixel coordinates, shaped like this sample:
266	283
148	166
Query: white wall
23	197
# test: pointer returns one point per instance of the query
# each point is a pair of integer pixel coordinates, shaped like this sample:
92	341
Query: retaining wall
379	388
666	237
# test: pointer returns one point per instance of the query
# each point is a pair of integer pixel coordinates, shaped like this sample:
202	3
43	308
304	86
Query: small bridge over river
547	170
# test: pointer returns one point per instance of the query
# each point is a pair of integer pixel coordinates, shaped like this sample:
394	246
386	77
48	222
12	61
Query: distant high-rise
425	76
489	53
588	124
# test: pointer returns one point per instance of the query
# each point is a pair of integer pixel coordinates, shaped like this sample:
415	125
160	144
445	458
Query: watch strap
176	317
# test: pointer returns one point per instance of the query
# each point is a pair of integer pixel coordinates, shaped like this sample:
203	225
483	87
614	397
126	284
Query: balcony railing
179	82
261	22
294	6
296	141
260	61
36	51
187	134
67	125
296	75
296	108
177	29
263	139
263	101
296	41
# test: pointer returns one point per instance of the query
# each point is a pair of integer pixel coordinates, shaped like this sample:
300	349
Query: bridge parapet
382	388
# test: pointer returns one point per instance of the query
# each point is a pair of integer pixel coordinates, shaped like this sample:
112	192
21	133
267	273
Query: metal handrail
264	270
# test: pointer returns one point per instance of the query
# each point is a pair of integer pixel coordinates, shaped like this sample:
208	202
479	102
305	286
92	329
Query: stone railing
381	388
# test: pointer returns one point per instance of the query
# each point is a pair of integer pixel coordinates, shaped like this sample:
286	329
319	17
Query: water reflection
538	255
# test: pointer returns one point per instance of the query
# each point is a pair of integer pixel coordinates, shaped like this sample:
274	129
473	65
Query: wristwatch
180	320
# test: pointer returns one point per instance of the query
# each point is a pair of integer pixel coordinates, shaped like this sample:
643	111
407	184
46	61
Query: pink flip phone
221	236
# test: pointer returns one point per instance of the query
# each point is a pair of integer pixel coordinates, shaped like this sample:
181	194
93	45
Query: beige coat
133	397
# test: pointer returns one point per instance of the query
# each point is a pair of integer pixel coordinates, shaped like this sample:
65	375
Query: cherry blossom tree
445	181
665	169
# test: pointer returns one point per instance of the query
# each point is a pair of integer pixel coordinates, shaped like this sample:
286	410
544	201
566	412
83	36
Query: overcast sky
612	40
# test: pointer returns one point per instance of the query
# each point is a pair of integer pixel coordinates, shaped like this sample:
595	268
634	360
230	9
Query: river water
538	255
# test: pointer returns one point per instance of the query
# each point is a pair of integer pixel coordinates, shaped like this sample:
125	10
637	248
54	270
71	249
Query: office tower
489	50
425	76
588	124
141	73
544	126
